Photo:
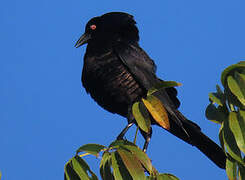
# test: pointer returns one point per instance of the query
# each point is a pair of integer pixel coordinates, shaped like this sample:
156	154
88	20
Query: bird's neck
103	46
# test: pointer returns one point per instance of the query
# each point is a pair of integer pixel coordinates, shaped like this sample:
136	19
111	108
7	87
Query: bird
117	72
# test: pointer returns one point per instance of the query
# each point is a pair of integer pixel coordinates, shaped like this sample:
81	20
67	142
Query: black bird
117	73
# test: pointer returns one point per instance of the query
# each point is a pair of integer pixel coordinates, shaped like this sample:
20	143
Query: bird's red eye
93	27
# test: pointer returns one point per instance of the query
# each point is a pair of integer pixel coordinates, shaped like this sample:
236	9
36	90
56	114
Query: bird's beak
83	40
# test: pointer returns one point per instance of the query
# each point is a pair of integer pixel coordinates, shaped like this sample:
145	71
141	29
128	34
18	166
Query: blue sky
44	111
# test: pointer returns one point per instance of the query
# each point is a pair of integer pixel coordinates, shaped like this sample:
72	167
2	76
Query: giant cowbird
117	72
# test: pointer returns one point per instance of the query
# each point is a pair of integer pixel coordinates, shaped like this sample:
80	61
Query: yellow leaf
157	110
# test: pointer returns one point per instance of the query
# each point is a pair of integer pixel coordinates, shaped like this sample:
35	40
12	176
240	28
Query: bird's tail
188	130
195	137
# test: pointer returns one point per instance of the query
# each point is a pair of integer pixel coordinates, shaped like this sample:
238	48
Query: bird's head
109	28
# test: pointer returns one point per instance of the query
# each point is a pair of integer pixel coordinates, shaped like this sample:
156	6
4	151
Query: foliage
228	109
121	160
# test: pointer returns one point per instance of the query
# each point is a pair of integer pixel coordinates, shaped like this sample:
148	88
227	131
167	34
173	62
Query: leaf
107	174
216	98
105	167
161	85
214	114
221	137
241	62
105	157
166	176
132	164
238	67
70	174
135	150
93	149
240	78
80	170
118	143
231	169
235	89
157	110
116	163
230	143
150	178
237	126
141	156
141	116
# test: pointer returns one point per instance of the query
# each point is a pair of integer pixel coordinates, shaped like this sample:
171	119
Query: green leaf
107	174
141	116
141	156
230	143
237	126
216	98
117	166
161	85
238	67
240	78
231	169
214	114
118	143
132	164
241	62
70	174
235	89
91	148
105	167
150	178
80	170
105	157
221	137
221	95
166	176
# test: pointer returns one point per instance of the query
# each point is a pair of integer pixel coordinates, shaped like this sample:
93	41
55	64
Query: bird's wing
138	63
143	70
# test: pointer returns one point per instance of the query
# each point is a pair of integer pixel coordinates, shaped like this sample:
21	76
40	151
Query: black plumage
117	73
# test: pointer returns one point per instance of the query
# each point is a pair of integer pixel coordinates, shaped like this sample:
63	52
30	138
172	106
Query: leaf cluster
227	108
121	160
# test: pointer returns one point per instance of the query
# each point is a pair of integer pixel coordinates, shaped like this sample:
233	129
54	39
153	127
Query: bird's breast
110	83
